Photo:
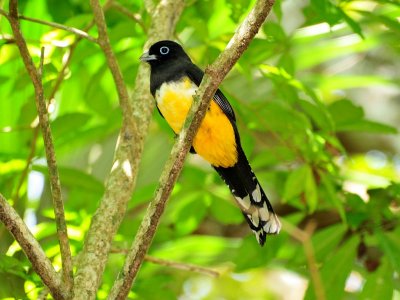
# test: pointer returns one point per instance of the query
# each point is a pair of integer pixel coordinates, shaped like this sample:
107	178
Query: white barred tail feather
251	198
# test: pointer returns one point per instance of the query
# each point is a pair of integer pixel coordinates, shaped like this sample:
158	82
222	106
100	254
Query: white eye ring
164	50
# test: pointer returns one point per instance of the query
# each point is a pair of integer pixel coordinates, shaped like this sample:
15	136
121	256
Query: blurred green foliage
314	96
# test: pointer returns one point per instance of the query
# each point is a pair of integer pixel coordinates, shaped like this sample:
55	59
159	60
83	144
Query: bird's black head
164	52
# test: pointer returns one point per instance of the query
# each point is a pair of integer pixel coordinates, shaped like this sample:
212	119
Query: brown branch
181	266
174	264
73	30
304	236
112	62
108	216
80	33
61	74
48	141
122	179
213	77
32	249
29	159
35	134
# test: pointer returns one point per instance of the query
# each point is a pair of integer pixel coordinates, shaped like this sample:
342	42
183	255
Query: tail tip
272	226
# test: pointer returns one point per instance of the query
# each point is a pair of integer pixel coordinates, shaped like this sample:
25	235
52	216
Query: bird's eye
164	50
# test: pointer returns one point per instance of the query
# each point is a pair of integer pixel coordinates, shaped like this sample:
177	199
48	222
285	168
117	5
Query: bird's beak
147	57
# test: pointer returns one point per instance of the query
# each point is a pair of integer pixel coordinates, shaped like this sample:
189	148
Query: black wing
196	75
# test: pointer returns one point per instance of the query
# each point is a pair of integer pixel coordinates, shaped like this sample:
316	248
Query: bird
174	79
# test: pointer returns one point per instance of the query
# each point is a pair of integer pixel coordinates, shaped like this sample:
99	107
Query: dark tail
251	198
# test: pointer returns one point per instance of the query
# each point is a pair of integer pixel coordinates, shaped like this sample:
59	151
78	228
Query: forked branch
212	79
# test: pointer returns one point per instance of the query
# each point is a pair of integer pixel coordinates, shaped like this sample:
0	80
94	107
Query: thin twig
122	179
181	266
213	77
73	30
48	141
174	264
133	16
304	236
29	159
35	134
3	13
112	62
40	263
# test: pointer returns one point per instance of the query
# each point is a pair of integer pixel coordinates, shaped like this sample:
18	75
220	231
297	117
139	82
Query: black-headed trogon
173	82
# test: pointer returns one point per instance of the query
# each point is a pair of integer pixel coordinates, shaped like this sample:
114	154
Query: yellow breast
215	140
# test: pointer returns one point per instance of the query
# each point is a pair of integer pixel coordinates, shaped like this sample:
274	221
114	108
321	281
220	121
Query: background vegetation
317	101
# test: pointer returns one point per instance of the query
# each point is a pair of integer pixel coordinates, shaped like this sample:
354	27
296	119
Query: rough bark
32	249
212	79
121	182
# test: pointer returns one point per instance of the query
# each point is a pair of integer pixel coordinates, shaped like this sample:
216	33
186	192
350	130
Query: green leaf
366	126
189	215
96	95
75	178
329	49
318	114
295	183
328	183
327	239
220	22
326	10
225	212
299	181
344	111
275	117
11	265
68	124
391	247
353	24
349	117
310	190
11	285
61	12
345	82
214	249
272	156
391	23
379	284
142	194
277	8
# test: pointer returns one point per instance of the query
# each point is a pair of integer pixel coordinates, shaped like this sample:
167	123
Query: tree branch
212	79
174	264
73	30
40	263
48	141
112	62
304	236
35	130
122	179
181	266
